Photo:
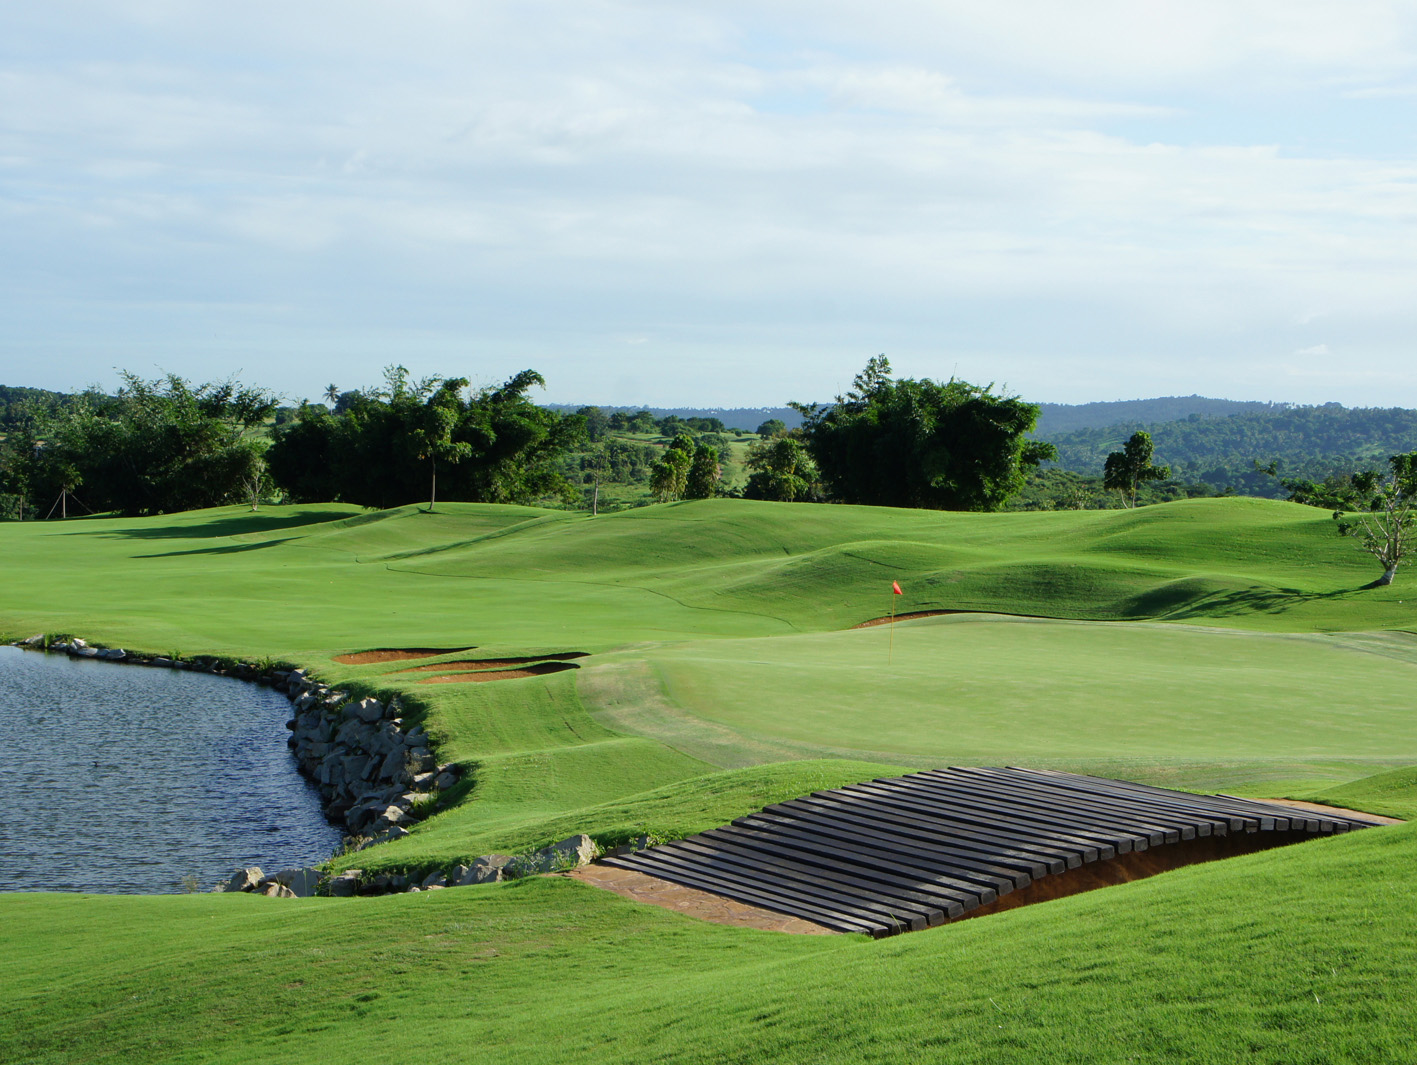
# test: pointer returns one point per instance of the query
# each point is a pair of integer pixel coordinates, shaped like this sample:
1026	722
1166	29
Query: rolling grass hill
1222	643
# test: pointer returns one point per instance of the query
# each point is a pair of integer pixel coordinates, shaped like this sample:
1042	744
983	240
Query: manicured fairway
1225	644
980	688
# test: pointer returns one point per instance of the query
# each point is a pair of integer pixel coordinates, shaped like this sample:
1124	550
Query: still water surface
120	778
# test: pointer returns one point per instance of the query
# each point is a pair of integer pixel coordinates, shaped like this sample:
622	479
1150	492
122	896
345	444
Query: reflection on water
121	778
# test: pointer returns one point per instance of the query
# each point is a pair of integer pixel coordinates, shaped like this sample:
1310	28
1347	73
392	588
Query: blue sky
715	204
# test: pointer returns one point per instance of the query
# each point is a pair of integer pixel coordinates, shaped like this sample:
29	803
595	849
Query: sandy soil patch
641	887
494	663
539	670
395	654
1338	811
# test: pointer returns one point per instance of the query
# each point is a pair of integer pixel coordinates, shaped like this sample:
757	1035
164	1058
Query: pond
123	778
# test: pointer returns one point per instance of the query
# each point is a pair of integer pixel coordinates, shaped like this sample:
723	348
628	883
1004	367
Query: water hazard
120	778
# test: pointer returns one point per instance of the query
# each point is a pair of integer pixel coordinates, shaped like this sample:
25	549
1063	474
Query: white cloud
789	186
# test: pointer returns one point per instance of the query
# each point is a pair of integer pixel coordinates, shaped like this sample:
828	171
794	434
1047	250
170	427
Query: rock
245	879
366	710
37	640
444	781
277	891
570	853
639	843
346	884
396	816
456	874
432	887
434	880
415	737
113	654
161	662
487	869
301	882
77	643
418	760
424	781
83	652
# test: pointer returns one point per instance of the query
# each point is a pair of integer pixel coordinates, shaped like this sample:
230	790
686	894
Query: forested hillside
14	399
1310	442
1058	418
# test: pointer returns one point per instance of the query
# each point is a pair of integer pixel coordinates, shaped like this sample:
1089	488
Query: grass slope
715	637
1303	955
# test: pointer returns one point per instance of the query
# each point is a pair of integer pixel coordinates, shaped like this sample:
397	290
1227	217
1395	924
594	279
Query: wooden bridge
910	852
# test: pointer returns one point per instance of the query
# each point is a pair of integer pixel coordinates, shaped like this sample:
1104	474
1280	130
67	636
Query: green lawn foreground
1302	955
685	608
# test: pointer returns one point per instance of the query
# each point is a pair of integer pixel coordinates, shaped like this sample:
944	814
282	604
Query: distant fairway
1220	643
980	688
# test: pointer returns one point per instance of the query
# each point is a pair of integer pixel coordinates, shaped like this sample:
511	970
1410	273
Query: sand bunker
539	670
906	617
493	663
396	654
939	614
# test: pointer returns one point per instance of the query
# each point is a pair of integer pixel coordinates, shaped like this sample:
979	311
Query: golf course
712	657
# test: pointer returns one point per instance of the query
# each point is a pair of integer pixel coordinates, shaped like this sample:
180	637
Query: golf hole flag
895	591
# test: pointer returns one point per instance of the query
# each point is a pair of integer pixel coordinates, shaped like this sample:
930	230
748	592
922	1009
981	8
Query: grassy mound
1299	955
721	676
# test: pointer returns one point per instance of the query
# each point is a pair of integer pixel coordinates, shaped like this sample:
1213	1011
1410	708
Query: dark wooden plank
803	837
1190	824
801	887
880	839
1040	855
743	893
892	890
1102	841
1222	821
866	867
916	832
1024	833
1068	815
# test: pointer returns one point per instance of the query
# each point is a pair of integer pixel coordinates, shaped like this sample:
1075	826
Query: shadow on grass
225	549
1252	601
233	526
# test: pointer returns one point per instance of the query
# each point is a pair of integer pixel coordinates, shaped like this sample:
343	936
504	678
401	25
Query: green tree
772	427
782	470
433	427
919	443
155	447
493	445
1128	469
597	423
1380	513
669	477
704	474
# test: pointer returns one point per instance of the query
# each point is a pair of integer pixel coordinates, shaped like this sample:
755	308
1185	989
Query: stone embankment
376	777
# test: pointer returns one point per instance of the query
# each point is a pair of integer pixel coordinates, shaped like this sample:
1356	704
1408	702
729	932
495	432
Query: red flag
895	587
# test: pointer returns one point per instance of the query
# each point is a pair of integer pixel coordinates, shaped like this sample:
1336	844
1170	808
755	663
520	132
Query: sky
716	204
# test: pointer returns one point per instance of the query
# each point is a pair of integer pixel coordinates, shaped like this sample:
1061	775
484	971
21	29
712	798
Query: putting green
978	688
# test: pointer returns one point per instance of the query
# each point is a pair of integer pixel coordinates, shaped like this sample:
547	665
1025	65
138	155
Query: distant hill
1066	418
748	418
1055	417
1308	442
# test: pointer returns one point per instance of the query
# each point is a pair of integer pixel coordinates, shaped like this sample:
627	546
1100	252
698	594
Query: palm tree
332	393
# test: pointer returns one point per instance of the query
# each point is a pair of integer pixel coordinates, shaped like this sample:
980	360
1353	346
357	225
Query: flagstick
891	653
